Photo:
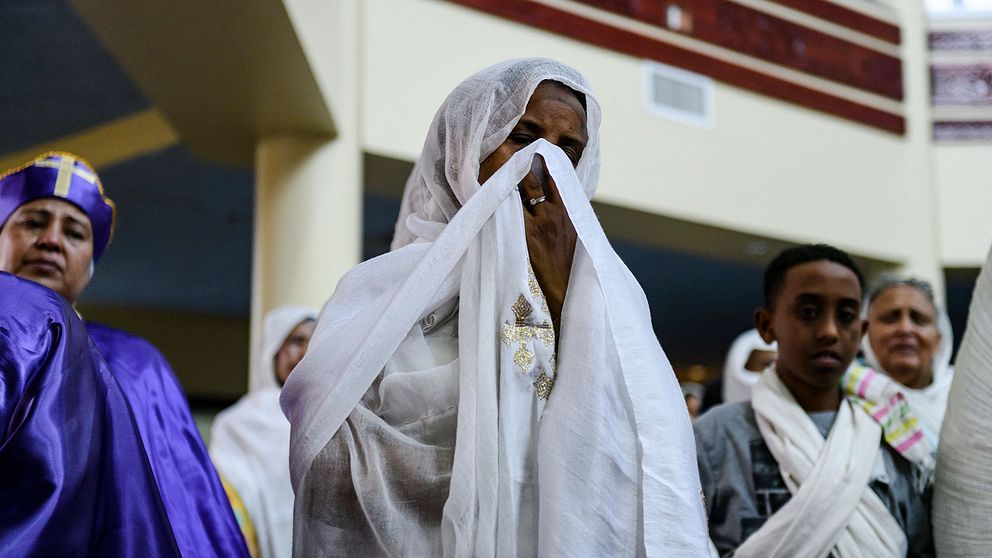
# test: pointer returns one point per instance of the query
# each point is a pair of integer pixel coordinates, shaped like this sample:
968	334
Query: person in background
748	357
800	469
74	476
55	224
249	442
910	341
693	394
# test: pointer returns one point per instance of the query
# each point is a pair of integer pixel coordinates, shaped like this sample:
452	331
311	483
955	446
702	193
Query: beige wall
766	167
961	172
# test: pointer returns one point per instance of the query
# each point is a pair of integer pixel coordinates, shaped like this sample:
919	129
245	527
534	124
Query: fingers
534	186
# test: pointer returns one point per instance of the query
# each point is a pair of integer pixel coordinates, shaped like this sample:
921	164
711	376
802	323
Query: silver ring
535	201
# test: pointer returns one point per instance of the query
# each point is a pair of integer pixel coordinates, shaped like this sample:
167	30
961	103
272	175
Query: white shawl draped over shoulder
416	432
962	507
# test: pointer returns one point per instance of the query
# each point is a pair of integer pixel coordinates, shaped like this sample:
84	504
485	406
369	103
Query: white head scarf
473	121
929	403
249	442
962	509
737	380
617	458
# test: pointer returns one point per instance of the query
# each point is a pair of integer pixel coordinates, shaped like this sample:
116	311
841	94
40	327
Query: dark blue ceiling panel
698	304
183	238
57	79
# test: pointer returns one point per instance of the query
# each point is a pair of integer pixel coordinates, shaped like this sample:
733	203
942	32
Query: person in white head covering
249	442
747	358
493	385
909	338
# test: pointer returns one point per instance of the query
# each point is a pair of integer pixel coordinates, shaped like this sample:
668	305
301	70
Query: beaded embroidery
544	384
521	332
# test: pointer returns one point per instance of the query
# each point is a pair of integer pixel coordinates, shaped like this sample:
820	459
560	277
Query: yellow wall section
962	174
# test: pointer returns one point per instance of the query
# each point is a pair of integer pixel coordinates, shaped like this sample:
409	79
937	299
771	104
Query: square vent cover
678	94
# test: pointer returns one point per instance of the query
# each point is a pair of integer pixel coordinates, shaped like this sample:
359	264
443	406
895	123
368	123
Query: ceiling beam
223	73
107	144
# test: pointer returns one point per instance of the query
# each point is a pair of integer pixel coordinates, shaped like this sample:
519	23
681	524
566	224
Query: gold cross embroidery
67	168
521	332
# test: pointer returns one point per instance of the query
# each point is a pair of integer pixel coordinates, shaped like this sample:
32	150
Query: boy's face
816	320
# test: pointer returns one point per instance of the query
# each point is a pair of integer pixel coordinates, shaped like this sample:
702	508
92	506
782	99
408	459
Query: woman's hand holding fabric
550	237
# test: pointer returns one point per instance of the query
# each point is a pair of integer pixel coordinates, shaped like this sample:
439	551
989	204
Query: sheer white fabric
929	403
737	380
962	509
832	509
416	433
249	442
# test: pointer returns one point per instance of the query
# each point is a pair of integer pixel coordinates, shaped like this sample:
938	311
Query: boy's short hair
798	255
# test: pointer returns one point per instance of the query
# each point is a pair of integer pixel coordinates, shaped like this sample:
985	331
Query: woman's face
554	114
902	329
292	350
49	241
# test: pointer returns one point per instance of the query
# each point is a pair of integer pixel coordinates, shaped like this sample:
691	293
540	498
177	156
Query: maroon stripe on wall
857	21
761	35
602	35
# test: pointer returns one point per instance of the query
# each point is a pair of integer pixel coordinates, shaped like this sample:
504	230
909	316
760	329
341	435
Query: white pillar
308	193
308	229
922	226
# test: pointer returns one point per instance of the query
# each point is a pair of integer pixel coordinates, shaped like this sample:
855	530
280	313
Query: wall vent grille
679	95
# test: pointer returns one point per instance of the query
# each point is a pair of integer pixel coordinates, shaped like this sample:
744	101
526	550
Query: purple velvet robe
198	508
74	476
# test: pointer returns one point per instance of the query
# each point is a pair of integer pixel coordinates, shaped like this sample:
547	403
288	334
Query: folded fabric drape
962	509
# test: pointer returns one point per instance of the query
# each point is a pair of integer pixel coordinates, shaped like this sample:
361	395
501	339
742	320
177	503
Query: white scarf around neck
832	508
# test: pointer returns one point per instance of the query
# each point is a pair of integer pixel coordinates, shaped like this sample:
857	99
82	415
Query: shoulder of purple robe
194	497
74	476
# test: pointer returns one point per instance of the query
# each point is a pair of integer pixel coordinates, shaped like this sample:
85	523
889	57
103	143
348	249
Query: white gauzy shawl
249	442
929	403
962	508
402	415
832	508
737	380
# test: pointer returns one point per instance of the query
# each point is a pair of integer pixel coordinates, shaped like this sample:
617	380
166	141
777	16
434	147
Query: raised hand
550	236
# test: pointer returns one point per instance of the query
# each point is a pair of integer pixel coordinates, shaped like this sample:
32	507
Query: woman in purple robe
55	223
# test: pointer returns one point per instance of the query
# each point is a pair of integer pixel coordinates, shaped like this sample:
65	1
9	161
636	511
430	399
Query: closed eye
573	154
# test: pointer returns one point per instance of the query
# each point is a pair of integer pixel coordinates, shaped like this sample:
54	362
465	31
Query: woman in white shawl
249	442
455	401
909	338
